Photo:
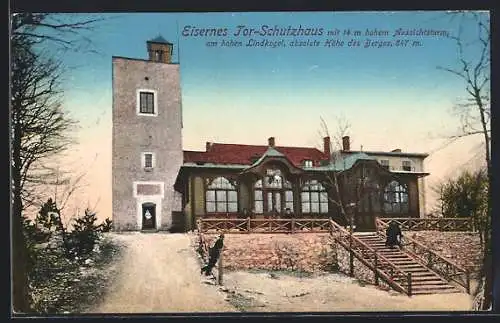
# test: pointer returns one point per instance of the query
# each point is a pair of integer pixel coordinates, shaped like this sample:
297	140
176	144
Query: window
158	55
289	200
148	160
396	198
407	165
385	163
314	198
258	197
275	191
147	102
221	196
308	163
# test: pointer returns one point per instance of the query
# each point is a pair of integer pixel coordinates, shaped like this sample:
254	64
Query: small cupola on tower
160	50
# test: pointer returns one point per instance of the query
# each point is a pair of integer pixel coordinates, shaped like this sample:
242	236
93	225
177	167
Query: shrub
107	225
85	233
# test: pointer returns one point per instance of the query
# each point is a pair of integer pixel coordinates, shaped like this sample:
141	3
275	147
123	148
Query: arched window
314	197
396	198
221	196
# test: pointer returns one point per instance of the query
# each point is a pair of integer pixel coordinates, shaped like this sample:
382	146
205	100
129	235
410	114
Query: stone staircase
424	280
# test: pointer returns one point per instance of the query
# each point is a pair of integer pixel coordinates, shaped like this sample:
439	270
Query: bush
47	221
85	233
107	225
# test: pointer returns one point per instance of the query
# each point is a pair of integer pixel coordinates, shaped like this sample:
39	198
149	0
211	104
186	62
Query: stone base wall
302	251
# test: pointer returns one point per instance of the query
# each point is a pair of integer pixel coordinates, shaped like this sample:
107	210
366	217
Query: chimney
209	144
326	146
270	141
346	145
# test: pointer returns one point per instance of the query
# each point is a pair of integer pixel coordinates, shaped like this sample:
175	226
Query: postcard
262	162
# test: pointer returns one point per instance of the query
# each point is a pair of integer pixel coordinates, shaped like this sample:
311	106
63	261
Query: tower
147	139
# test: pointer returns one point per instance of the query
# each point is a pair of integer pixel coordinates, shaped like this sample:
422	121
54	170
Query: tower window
308	163
147	102
158	55
148	161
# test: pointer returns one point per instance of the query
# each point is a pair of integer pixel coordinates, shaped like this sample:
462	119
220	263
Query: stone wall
462	248
301	251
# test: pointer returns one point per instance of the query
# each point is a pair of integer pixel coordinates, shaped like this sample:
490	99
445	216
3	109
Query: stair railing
382	267
429	258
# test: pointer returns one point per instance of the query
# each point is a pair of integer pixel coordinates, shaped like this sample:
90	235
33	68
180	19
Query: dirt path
159	273
279	292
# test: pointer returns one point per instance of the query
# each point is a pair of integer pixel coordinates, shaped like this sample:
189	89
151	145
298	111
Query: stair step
412	266
424	278
420	273
427	282
403	262
432	286
400	259
428	292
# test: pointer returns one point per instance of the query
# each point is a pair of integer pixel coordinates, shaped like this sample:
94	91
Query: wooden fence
431	224
432	260
249	225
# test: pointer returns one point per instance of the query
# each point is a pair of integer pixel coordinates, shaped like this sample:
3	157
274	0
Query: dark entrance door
148	216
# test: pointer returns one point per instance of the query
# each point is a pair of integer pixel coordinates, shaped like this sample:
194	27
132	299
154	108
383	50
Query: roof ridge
247	145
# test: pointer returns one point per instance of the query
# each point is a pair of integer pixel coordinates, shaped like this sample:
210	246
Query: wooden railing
382	267
438	224
249	225
435	262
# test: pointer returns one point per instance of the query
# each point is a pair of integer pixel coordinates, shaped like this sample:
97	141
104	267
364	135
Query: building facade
147	139
157	185
269	181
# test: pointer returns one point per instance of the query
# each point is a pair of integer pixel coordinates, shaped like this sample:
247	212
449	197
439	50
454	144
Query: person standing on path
213	254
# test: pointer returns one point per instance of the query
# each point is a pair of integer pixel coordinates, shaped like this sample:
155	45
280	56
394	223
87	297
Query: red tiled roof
247	154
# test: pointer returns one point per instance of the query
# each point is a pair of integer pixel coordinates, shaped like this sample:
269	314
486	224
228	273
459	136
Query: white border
162	185
138	102
156	199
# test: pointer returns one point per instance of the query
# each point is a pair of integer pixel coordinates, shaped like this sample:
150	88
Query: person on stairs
394	235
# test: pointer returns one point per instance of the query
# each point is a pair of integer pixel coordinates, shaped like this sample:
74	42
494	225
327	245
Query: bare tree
350	190
39	127
474	110
332	178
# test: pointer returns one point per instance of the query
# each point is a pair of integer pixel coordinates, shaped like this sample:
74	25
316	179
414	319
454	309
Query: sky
393	97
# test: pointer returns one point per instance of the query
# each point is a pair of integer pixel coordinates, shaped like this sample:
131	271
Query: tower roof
160	40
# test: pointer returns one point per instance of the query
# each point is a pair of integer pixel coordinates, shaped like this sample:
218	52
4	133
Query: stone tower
147	139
